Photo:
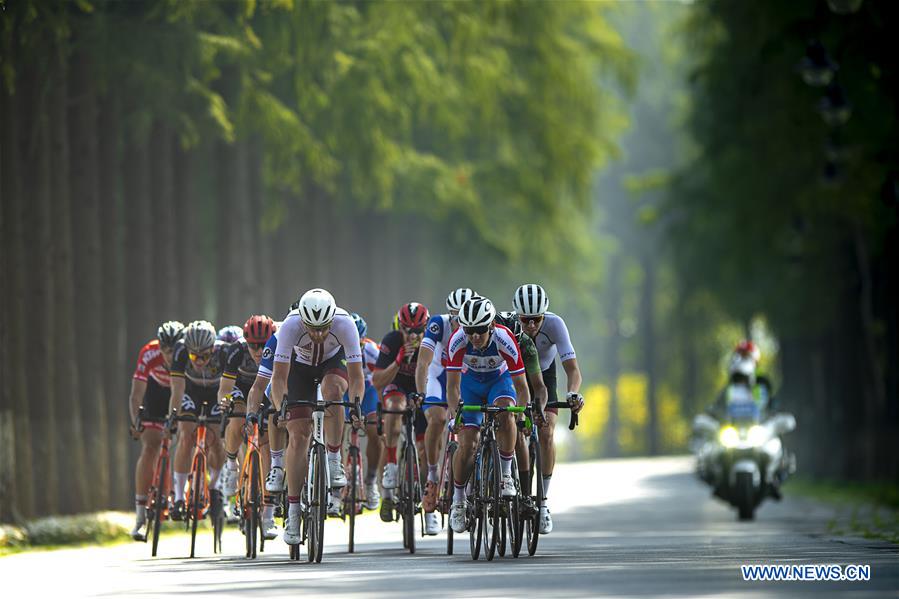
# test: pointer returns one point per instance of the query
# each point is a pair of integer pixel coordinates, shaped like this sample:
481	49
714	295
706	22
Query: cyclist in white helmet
484	367
551	337
317	342
430	380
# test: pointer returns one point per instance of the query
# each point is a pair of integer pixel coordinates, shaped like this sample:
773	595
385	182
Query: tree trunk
15	478
86	235
186	242
72	454
647	326
613	316
163	223
116	355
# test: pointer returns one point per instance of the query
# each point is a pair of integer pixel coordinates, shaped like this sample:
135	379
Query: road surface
623	528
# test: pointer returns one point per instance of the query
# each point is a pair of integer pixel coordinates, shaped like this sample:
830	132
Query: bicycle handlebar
573	421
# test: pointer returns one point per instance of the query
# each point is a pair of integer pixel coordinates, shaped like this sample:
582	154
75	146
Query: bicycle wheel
254	499
410	477
159	500
448	490
514	514
473	515
195	501
490	504
318	504
532	523
349	501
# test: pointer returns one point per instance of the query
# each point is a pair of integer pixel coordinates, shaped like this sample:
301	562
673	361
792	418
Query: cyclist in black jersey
197	367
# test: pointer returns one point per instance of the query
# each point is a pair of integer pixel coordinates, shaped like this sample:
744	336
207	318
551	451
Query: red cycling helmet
748	349
414	316
258	329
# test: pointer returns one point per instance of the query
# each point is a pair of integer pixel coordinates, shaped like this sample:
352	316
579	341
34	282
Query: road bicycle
160	486
409	493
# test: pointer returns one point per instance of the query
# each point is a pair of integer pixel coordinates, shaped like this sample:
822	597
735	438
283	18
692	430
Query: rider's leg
299	431
434	437
187	439
151	442
333	387
547	451
392	426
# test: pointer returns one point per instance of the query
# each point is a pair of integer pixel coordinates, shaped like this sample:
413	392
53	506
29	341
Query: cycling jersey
207	375
501	354
552	339
437	336
239	364
293	339
267	363
151	364
390	349
370	353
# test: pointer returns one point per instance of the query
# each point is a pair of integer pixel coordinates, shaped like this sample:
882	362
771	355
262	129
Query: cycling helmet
413	315
510	320
458	297
317	308
258	329
748	349
741	367
169	333
477	312
361	325
199	335
230	334
294	306
530	300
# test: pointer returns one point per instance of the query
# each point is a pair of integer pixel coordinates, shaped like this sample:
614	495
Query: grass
83	530
869	510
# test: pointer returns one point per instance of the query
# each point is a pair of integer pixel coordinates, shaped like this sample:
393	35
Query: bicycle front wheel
159	502
447	490
490	493
532	523
349	502
318	505
253	504
408	490
196	500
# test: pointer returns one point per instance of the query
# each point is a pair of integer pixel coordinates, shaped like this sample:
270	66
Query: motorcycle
742	457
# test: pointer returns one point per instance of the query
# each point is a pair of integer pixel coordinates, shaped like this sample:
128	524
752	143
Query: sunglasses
476	330
256	346
200	357
530	319
416	331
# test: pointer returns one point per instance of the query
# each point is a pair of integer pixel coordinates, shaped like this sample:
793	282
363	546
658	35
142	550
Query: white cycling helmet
530	300
477	312
458	297
199	335
317	308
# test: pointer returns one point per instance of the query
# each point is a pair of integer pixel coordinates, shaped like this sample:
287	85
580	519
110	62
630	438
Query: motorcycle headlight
757	436
729	436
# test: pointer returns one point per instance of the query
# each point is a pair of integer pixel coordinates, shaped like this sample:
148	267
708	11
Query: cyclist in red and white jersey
150	389
484	367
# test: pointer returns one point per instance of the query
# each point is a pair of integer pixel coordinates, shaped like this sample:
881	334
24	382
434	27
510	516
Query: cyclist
242	359
430	380
370	352
150	389
317	342
484	366
197	367
394	377
550	335
230	334
536	386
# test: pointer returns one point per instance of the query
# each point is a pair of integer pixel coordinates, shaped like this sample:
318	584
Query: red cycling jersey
150	363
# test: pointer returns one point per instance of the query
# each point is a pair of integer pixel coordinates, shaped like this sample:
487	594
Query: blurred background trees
661	168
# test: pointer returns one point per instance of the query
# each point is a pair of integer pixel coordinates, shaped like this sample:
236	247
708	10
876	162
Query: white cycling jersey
294	338
553	339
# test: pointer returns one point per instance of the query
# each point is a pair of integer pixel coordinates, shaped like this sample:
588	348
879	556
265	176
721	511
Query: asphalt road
624	528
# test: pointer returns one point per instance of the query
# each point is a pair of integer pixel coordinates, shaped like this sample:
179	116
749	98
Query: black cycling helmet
169	333
510	320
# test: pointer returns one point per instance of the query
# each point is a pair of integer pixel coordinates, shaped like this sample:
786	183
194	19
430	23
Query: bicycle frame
407	506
